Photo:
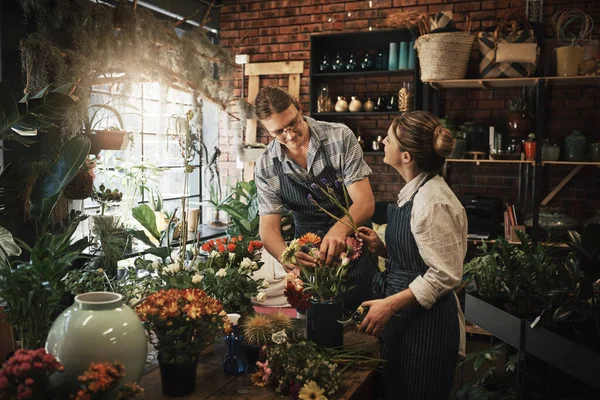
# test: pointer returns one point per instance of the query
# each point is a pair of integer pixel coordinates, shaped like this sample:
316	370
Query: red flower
221	248
250	247
231	247
297	299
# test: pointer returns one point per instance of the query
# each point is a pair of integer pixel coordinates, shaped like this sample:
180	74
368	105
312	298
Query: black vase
178	380
321	323
252	353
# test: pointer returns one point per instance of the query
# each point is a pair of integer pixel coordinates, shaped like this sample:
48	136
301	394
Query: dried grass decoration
409	20
120	47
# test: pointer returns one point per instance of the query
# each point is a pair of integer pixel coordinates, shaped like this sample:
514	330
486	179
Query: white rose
266	284
221	273
231	256
261	297
214	254
279	337
345	261
175	267
197	278
156	265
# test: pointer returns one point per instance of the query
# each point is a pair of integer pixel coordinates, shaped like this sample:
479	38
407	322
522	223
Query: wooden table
212	383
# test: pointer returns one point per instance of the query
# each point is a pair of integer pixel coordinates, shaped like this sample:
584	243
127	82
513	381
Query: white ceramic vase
98	327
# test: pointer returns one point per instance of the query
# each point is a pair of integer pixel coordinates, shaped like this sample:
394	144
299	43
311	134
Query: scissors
356	317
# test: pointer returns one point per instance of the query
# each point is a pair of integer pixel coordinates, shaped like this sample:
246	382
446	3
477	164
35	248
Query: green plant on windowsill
105	197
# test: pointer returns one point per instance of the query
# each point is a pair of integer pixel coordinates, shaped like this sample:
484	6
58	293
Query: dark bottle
351	64
380	104
381	61
392	105
338	64
325	65
366	63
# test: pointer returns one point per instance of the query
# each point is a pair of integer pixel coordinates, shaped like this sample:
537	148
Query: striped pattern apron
308	218
420	346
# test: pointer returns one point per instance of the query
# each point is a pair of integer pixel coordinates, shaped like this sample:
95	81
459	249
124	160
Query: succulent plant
518	104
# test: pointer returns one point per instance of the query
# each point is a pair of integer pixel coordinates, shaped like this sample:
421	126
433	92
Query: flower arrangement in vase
227	272
29	374
317	289
181	323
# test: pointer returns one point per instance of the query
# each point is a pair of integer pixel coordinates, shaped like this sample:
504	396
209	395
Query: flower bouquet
181	323
28	375
227	272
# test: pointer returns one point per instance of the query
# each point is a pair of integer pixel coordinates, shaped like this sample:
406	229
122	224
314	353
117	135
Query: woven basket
444	56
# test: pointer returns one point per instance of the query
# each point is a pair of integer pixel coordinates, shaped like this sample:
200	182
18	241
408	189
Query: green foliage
114	240
49	186
39	111
451	126
35	290
242	207
104	196
8	247
523	272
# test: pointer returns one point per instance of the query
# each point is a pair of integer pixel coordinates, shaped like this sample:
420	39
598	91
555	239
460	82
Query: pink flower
3	382
29	381
266	371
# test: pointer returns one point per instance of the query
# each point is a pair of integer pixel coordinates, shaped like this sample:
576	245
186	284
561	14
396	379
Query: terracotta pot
530	151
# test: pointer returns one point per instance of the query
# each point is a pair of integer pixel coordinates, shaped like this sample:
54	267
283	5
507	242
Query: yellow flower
311	391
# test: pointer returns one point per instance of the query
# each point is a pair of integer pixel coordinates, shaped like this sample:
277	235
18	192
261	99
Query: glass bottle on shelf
376	144
338	64
325	65
366	63
324	101
380	104
351	64
381	61
392	105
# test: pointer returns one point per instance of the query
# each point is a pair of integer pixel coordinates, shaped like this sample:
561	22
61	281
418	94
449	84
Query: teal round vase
98	327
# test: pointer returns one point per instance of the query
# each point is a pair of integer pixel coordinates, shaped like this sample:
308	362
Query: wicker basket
444	56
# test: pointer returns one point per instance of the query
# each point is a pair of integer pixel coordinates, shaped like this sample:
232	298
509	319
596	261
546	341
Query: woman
417	313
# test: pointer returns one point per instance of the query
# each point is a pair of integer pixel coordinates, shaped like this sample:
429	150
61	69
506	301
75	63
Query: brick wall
280	30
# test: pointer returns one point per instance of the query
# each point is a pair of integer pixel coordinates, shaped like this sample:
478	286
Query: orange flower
309	238
221	248
231	247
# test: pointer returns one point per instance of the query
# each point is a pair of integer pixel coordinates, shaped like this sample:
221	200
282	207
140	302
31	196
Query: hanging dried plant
409	20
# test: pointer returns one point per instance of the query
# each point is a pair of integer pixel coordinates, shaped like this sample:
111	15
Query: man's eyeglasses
282	133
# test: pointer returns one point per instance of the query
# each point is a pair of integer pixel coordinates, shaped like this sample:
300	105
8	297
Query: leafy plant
104	196
8	247
147	219
242	207
454	130
34	112
114	240
518	104
34	291
576	299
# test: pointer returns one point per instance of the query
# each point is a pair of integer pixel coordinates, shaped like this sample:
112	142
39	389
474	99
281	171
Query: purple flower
338	184
314	186
310	196
324	181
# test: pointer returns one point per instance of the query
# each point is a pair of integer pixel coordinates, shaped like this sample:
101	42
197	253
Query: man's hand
333	243
303	259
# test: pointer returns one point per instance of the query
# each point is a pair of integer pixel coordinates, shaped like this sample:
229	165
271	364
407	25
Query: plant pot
178	380
460	147
568	59
321	323
519	124
80	187
530	151
98	328
107	140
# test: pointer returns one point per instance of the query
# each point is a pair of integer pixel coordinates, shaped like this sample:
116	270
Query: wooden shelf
572	163
474	329
355	114
484	83
556	81
499	83
466	160
364	73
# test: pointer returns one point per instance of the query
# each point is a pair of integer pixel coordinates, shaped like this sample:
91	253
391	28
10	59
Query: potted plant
530	148
519	120
460	144
110	137
257	331
181	323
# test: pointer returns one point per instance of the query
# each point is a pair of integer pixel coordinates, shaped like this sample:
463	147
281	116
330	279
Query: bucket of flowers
317	289
181	324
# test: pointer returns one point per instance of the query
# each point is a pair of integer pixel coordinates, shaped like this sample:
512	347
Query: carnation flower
197	278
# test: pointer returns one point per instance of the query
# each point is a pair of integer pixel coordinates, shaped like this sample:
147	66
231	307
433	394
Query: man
304	152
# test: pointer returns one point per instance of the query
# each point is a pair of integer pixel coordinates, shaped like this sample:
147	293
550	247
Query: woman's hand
380	312
371	238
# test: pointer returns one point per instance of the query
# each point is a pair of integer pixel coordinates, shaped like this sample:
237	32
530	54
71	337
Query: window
148	117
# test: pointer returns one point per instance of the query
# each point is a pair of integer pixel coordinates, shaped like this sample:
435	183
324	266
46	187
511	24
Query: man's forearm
273	242
360	214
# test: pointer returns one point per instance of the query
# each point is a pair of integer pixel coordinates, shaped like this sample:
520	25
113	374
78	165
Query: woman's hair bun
443	142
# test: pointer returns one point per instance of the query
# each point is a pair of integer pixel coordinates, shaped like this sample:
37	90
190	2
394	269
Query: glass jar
324	100
351	63
325	65
550	150
338	64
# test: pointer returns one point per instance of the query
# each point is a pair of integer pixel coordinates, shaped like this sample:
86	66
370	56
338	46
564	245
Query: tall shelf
431	102
361	83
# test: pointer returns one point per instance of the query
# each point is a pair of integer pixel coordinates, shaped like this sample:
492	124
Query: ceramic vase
530	149
321	323
341	105
98	327
368	106
355	105
575	146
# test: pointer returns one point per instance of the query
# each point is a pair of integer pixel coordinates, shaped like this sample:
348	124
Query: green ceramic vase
98	327
575	146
